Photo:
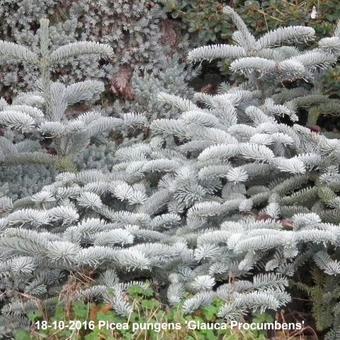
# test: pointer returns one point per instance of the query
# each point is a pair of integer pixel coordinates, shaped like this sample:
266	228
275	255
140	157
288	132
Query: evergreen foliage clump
227	199
45	126
148	56
206	20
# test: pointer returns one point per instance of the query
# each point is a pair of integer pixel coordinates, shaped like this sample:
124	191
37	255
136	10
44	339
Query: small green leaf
80	310
150	304
137	291
59	312
22	335
34	316
209	335
210	312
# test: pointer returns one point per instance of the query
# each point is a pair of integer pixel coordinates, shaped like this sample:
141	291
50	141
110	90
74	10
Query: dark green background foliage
205	17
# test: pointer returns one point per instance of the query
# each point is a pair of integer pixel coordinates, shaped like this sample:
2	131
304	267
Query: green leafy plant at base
148	309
